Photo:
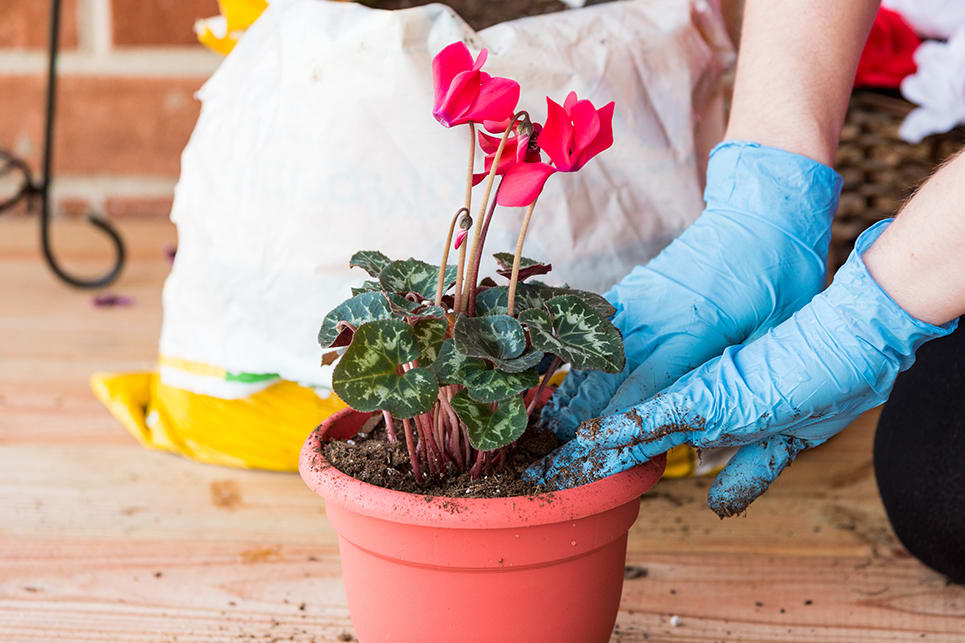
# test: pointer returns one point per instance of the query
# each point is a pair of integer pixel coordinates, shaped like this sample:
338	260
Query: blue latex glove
756	254
789	390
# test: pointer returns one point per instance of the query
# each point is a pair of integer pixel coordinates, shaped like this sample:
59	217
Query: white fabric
938	88
930	18
316	139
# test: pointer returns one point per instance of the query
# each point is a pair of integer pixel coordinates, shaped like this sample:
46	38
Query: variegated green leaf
598	303
429	335
371	261
367	286
415	276
483	383
494	337
505	261
491	385
571	329
364	307
539	291
402	307
490	429
527	267
368	376
493	301
527	360
451	366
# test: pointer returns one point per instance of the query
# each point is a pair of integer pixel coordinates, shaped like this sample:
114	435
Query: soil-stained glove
789	390
756	254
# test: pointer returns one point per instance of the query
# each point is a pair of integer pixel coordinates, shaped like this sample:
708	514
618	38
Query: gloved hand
789	390
756	254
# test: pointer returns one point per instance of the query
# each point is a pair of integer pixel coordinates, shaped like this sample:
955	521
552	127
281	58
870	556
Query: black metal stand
31	189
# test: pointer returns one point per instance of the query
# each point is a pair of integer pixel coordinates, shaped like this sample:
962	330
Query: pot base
528	569
572	601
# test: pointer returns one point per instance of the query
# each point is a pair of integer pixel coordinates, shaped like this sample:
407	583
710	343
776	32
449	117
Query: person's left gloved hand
791	389
756	254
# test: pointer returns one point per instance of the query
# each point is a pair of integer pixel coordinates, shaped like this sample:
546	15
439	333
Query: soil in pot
376	460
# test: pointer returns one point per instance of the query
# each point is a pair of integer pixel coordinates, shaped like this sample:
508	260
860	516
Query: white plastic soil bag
316	139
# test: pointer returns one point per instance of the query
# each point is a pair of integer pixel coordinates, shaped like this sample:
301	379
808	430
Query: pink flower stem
554	365
430	459
455	446
514	278
468	451
439	433
454	431
413	458
460	278
471	308
435	456
441	285
476	249
501	459
460	267
477	467
389	428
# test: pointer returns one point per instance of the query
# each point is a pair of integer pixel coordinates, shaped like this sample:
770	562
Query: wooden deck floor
101	540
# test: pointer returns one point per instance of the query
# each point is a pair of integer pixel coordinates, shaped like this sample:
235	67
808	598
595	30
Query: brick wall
127	76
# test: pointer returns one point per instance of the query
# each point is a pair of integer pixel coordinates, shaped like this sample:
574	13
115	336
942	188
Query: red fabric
887	56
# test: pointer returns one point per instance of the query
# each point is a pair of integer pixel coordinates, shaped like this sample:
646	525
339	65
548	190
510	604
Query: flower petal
604	138
506	160
496	100
556	137
569	102
458	100
497	127
488	143
521	144
523	183
447	63
586	125
481	59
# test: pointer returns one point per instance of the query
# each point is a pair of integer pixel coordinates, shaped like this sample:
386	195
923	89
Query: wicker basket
880	170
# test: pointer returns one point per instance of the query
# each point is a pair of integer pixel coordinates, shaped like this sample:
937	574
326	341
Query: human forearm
920	259
795	72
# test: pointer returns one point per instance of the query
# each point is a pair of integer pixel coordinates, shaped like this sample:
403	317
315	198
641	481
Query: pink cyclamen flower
460	237
516	150
521	166
575	132
464	93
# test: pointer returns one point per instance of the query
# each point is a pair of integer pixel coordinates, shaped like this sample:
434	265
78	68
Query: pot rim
468	513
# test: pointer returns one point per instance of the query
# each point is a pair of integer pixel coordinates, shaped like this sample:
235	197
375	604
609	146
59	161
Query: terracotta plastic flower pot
541	569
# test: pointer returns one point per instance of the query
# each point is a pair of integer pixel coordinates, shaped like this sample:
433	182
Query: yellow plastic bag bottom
263	431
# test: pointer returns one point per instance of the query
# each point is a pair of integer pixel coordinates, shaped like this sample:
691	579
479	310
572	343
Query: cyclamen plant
452	357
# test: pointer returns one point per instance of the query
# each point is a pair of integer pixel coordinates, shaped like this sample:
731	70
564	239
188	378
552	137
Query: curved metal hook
96	282
102	224
9	163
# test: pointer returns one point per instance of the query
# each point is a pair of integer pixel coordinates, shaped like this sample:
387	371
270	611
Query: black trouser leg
919	456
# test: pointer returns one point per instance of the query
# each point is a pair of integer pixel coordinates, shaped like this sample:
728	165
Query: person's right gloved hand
756	254
789	390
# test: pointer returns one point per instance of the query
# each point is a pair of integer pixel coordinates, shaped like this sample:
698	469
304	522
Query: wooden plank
755	597
88	519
